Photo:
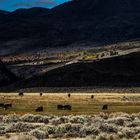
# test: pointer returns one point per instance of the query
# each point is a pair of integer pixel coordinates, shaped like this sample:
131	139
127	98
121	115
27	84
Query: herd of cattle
6	106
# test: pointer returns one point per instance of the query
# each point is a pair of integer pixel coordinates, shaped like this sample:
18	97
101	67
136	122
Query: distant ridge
4	12
31	12
75	21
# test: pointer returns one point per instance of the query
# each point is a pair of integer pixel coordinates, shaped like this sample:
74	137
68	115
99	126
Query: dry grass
82	104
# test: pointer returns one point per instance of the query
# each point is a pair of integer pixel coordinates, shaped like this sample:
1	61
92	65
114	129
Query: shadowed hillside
79	20
6	77
117	71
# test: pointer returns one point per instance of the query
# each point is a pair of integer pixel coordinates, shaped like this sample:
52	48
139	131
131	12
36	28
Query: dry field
82	104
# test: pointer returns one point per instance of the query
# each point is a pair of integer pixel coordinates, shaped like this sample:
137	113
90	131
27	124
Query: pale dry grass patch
81	103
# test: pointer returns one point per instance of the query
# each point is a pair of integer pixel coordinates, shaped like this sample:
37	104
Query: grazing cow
6	106
69	95
39	109
1	104
67	107
105	107
21	94
60	107
41	94
64	107
92	96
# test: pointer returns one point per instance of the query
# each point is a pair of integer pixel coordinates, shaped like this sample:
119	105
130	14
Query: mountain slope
6	77
100	19
71	22
117	71
2	12
3	15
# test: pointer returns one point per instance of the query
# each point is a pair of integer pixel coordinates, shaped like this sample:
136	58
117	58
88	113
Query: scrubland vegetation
90	53
114	126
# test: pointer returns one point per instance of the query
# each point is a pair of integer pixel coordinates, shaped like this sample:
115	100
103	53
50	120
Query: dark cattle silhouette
41	94
1	104
39	109
69	95
67	107
21	94
6	106
64	107
105	107
60	107
92	96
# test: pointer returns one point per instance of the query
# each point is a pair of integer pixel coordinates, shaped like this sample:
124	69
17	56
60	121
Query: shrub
21	127
39	134
57	121
50	129
117	121
11	119
128	133
108	128
63	128
78	119
85	131
35	118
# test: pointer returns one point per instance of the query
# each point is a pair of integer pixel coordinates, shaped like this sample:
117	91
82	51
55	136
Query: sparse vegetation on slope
117	71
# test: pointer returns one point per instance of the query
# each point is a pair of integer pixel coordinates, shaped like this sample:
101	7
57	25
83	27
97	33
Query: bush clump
39	134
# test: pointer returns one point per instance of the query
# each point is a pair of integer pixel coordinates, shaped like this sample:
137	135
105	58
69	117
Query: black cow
39	109
6	106
64	107
1	104
60	107
105	107
21	94
92	96
67	107
69	95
